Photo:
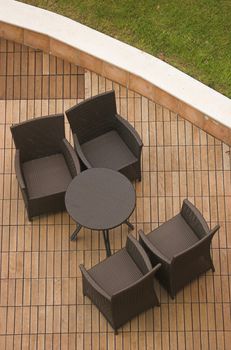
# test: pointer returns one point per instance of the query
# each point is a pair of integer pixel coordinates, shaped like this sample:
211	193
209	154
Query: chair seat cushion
108	151
46	176
173	237
116	273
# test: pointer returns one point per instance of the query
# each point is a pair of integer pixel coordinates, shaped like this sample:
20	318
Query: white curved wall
118	61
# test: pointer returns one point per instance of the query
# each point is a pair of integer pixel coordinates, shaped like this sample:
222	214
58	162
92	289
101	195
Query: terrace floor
41	301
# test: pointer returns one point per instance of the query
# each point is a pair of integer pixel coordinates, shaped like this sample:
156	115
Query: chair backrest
39	137
194	219
138	254
92	117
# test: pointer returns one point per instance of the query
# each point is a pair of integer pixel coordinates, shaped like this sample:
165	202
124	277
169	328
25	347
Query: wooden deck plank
41	301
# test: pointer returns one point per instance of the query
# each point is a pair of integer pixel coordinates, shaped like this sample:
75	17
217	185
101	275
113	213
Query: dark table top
100	199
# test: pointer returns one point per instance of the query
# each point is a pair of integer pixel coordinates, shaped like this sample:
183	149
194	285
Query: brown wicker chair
182	246
122	285
103	139
45	163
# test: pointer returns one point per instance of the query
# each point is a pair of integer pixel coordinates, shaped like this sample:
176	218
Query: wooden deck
41	301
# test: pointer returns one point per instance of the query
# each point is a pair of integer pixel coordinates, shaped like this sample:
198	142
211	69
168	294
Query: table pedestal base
107	242
105	236
129	225
74	234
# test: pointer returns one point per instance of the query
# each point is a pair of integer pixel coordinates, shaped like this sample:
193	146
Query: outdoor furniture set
92	182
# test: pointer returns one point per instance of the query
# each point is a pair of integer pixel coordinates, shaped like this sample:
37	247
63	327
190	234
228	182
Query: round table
100	199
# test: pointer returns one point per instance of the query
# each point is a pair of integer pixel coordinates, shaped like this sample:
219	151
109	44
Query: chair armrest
71	158
18	170
160	257
80	152
138	254
20	178
93	285
139	283
191	262
97	295
214	230
136	298
129	135
198	246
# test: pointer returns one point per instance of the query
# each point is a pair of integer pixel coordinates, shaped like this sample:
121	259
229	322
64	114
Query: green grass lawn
192	35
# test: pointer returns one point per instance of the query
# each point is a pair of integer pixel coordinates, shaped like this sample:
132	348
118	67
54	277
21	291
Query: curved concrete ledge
133	68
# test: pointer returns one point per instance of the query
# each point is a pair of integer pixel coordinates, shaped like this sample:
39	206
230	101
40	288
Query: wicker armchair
103	139
182	246
45	163
122	285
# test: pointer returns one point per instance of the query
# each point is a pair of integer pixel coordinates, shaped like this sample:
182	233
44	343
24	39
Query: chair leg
115	331
156	300
172	294
139	176
157	303
28	214
210	262
212	266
